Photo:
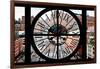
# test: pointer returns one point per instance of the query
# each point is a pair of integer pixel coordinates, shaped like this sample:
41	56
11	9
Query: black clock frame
33	43
28	32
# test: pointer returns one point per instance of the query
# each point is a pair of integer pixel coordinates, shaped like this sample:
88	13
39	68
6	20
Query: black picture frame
29	34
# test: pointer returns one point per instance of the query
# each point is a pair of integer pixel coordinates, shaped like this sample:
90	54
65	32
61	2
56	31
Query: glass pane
90	34
19	34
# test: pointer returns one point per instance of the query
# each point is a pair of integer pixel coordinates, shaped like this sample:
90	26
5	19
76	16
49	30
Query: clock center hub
57	31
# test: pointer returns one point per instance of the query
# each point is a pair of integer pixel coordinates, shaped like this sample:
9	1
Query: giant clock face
56	34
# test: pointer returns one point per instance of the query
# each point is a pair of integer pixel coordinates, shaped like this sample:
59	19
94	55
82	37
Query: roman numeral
64	53
54	52
45	22
69	21
53	14
74	42
74	24
61	16
46	50
41	25
47	17
37	37
71	26
66	17
67	50
41	44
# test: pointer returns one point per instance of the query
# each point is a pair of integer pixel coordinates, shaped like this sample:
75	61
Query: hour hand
51	38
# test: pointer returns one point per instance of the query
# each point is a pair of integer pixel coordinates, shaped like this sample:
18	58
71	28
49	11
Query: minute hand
71	26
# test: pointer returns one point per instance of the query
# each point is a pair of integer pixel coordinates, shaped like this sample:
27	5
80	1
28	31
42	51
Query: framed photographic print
48	34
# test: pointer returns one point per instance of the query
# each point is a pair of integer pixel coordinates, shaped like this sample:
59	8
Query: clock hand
51	38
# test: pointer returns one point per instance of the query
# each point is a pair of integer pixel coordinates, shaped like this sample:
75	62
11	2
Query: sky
20	11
